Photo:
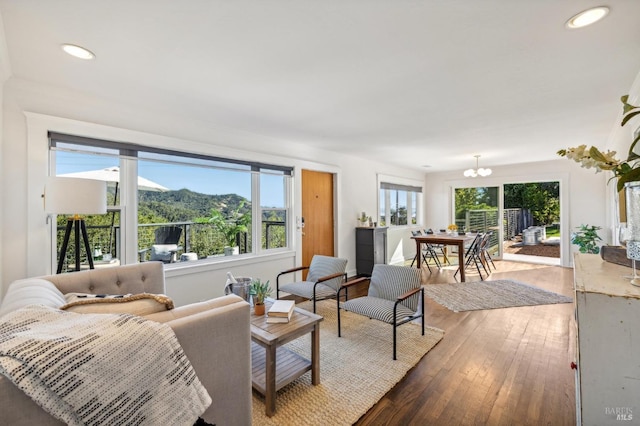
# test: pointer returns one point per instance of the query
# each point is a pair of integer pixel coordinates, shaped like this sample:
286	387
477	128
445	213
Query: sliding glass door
532	221
524	218
477	209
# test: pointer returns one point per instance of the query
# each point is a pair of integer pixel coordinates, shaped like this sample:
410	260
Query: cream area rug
356	370
476	295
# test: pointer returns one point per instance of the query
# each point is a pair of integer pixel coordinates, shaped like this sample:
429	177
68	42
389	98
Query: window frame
128	206
413	193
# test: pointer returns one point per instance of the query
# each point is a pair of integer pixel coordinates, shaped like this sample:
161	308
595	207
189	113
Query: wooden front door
317	211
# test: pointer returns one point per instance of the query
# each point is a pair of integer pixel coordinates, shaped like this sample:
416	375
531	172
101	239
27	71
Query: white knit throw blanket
100	369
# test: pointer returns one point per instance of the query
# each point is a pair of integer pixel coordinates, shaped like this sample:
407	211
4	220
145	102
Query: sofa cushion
31	291
136	304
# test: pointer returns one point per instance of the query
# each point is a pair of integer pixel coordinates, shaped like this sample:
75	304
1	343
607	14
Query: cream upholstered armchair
326	275
395	296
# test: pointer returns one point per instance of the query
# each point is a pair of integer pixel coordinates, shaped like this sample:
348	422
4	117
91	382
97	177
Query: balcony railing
199	238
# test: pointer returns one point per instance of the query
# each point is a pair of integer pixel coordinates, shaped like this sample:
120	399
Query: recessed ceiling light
78	52
588	17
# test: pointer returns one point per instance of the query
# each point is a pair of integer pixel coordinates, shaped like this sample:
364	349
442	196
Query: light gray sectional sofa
214	334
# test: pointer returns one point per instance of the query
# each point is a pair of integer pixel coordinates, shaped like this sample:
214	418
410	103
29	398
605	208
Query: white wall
5	73
30	110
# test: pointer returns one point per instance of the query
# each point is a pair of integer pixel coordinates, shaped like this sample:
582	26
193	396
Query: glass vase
632	198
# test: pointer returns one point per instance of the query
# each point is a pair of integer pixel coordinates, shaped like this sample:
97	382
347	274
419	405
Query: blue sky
175	177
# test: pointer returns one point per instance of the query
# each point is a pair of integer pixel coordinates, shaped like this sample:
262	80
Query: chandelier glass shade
478	171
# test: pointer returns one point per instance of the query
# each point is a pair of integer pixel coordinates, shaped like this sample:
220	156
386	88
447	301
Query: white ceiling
412	83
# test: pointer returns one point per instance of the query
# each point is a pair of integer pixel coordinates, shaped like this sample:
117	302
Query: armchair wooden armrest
419	313
408	294
345	286
332	276
288	271
355	281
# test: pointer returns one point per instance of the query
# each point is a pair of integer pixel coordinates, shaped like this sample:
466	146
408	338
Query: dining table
447	240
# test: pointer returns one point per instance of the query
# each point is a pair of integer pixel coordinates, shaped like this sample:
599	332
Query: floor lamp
72	196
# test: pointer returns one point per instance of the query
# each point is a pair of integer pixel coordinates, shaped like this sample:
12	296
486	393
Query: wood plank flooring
493	367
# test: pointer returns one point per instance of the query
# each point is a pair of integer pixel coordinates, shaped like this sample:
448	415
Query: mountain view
185	205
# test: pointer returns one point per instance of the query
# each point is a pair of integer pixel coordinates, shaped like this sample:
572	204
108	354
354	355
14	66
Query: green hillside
185	205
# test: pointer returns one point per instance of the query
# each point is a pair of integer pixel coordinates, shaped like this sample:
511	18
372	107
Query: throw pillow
163	252
136	304
31	291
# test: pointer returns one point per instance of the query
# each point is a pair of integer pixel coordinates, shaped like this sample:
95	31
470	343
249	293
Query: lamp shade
75	196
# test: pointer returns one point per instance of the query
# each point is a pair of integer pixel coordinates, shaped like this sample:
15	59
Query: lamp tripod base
77	223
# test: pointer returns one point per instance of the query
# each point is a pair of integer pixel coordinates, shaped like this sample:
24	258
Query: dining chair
484	250
441	247
427	253
473	255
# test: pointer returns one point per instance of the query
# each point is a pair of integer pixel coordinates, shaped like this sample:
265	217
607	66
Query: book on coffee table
281	308
276	320
280	311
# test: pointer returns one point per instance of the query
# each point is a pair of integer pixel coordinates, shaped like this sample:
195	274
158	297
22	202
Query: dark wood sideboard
371	248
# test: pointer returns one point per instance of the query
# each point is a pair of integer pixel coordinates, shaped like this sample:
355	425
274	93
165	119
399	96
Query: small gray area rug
476	295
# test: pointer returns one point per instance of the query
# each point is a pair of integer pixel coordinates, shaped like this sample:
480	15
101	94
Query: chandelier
478	171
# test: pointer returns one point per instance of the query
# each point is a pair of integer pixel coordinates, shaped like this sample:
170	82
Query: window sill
222	263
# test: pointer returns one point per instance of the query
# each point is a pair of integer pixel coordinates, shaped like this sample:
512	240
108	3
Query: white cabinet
608	343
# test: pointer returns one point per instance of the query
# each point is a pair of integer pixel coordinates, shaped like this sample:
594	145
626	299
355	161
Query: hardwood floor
493	367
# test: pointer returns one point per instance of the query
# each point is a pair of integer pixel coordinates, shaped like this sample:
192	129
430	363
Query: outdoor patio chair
166	245
395	296
324	279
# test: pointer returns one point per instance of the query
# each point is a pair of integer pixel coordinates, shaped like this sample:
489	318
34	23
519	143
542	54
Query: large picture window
186	206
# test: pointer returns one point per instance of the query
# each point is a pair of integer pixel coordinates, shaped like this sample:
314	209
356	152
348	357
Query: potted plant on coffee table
259	291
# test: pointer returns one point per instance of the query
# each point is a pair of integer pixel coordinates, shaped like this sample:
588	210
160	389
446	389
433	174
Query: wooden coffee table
274	366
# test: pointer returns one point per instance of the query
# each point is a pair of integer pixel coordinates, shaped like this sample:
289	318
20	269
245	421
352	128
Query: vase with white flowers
627	173
623	170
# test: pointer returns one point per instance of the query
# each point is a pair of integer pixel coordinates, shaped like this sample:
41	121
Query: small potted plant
259	291
453	229
363	220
